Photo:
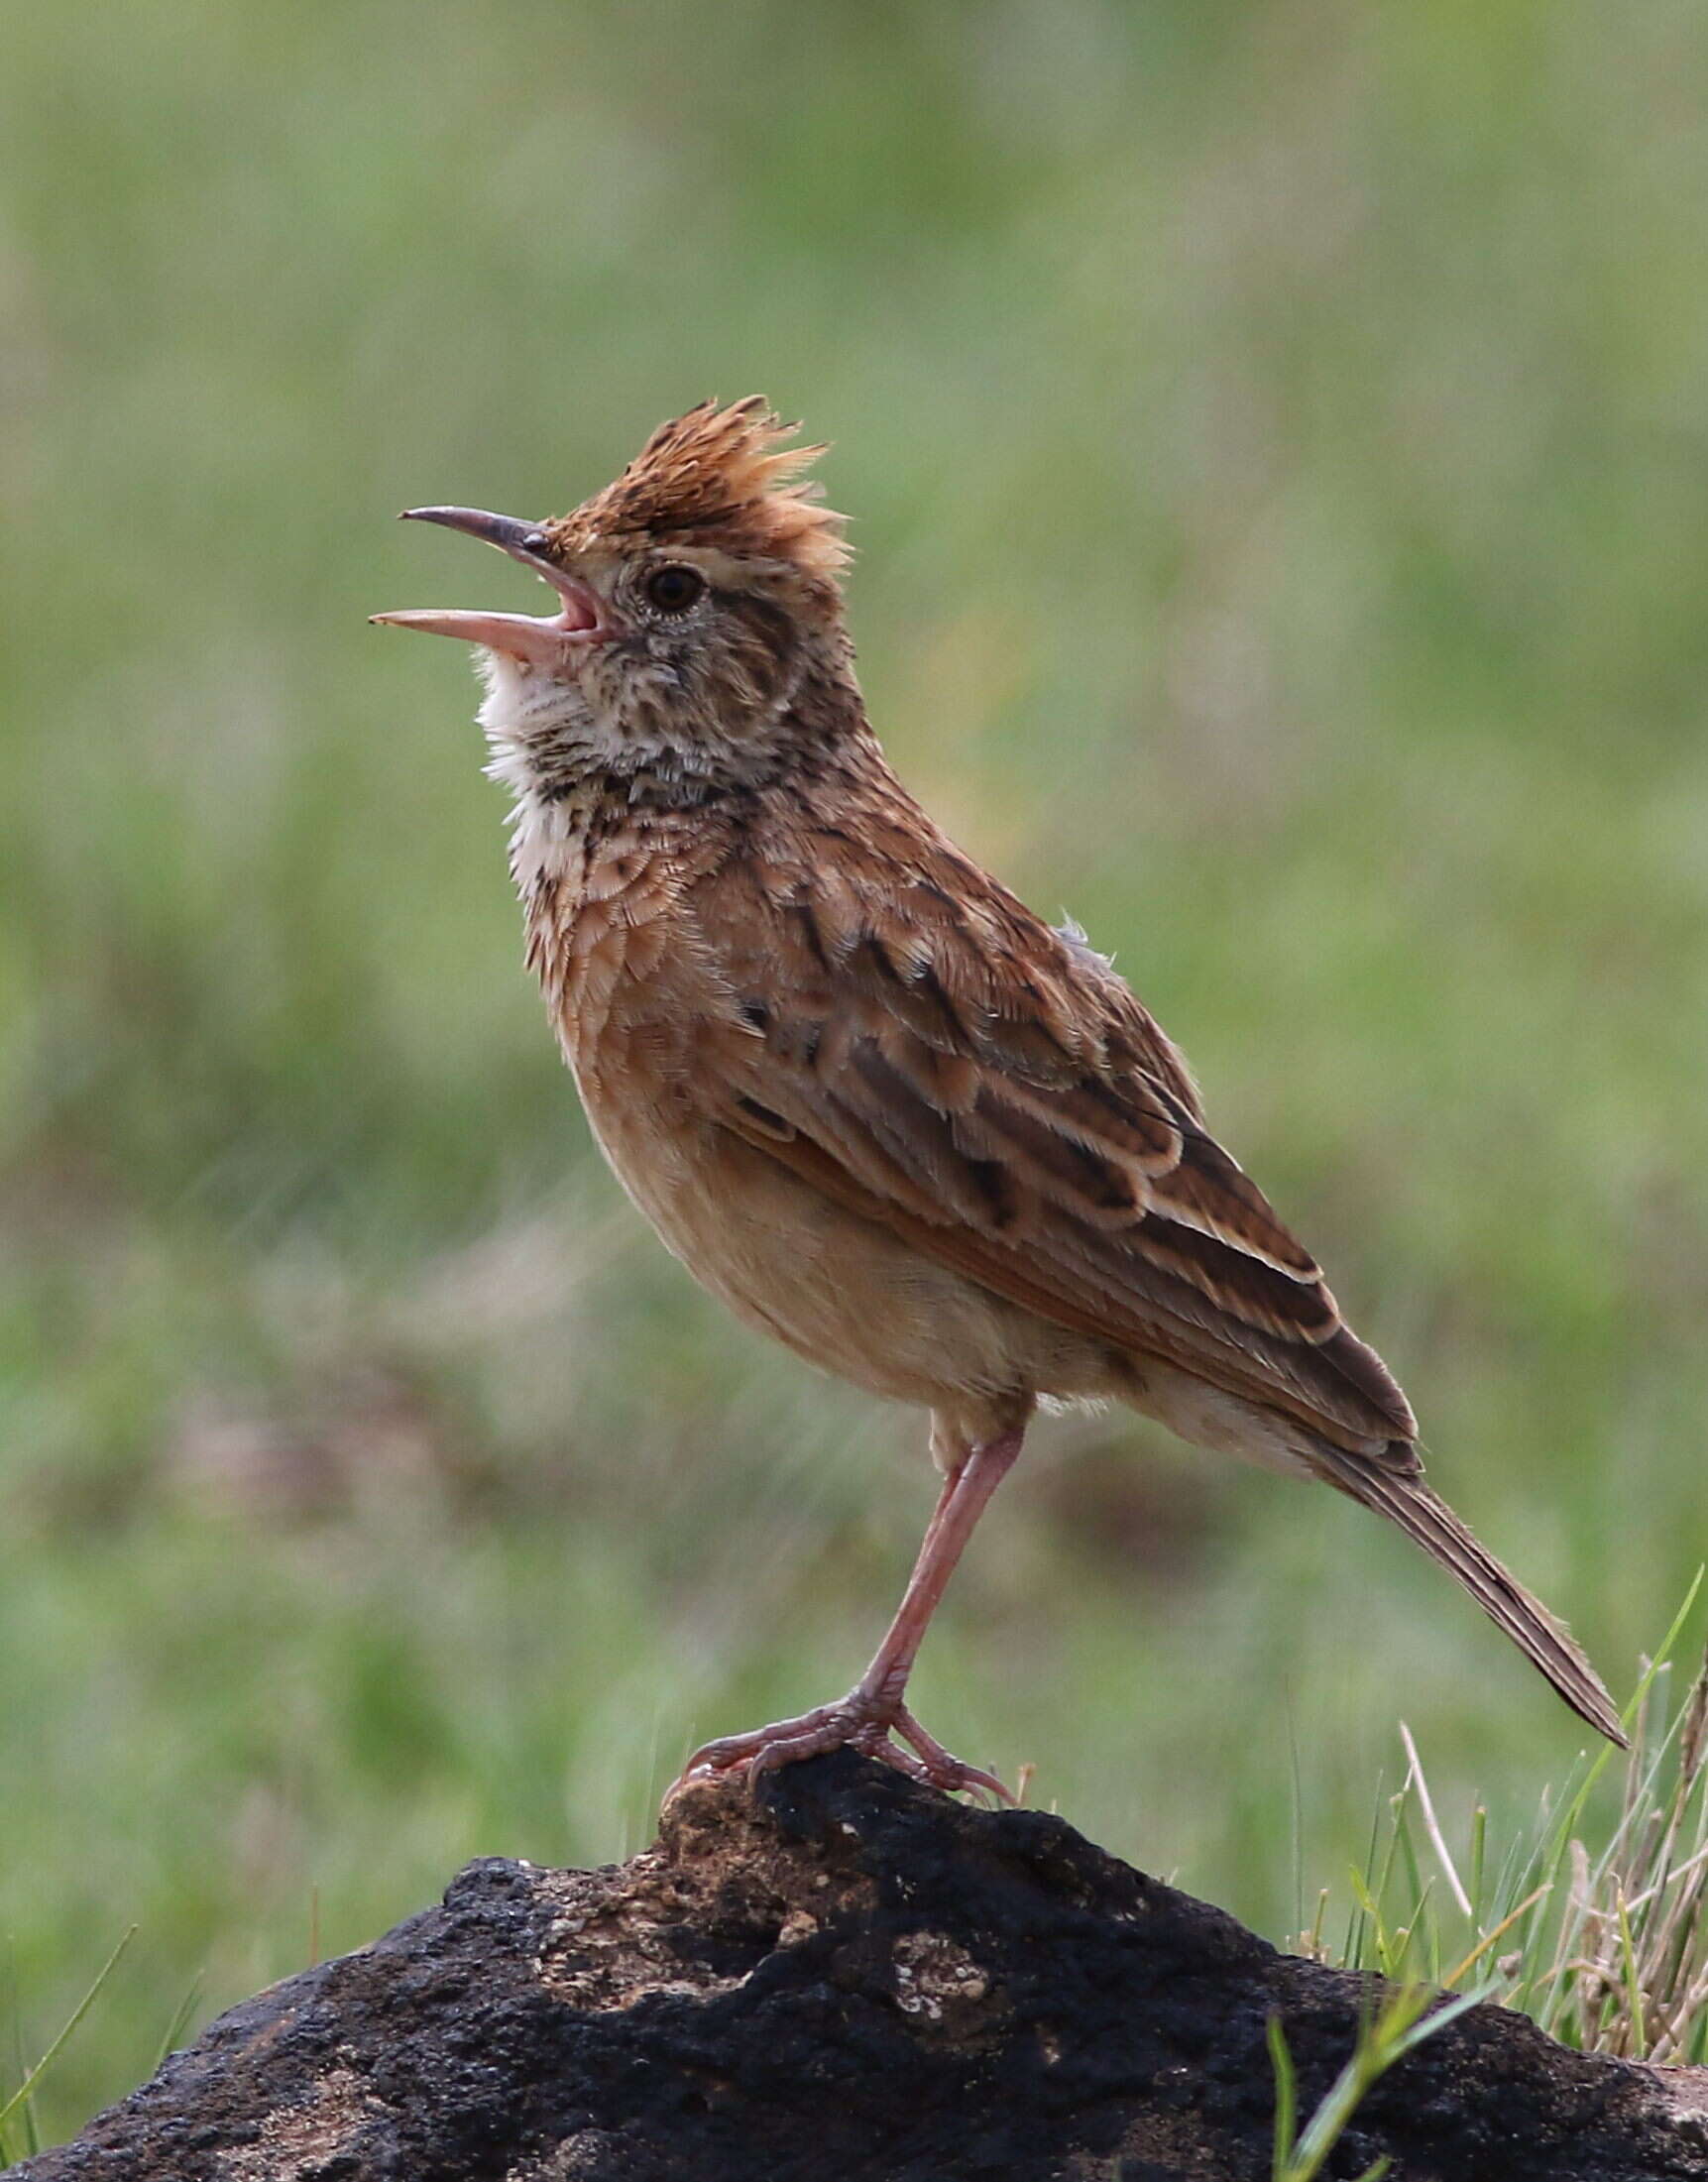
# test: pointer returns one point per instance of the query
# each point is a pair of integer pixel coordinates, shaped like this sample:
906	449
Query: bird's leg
962	1502
873	1712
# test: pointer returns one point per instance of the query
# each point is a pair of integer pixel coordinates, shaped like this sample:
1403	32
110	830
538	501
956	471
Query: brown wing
930	1054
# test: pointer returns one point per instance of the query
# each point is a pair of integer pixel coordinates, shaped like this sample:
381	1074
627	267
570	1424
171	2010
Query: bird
888	1115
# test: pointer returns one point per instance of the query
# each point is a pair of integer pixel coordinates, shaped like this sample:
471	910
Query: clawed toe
942	1768
876	1727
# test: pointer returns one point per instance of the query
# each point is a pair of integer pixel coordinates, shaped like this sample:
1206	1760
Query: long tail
1423	1516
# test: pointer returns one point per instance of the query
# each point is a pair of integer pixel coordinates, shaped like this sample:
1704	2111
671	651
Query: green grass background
1279	441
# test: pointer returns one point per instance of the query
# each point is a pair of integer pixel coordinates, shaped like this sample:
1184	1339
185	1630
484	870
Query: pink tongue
578	610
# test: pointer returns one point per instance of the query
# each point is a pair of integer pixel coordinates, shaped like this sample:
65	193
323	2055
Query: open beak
549	640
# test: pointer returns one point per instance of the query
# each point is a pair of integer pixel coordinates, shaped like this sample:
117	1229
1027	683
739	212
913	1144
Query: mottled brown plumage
868	1097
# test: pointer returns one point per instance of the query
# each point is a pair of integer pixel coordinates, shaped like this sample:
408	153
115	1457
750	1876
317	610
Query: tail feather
1427	1519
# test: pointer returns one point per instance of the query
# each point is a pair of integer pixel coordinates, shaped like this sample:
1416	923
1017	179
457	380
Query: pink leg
946	1493
872	1712
962	1501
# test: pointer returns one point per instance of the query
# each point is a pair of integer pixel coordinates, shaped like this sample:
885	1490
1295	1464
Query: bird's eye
673	589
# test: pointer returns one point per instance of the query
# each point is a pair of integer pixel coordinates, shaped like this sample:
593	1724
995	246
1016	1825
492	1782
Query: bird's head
696	593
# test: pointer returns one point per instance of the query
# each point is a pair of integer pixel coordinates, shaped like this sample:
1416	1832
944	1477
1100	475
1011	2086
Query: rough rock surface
850	1978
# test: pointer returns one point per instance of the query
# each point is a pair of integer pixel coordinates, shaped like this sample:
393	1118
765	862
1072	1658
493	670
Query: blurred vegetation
1278	439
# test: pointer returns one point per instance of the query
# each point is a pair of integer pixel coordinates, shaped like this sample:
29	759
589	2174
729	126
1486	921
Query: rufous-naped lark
869	1099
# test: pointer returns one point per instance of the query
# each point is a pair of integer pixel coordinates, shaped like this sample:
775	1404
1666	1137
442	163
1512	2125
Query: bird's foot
865	1720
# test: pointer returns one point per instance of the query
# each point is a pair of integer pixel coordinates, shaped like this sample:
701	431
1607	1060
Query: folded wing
943	1062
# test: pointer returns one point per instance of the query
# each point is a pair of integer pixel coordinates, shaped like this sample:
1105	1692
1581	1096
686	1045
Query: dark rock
850	1977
